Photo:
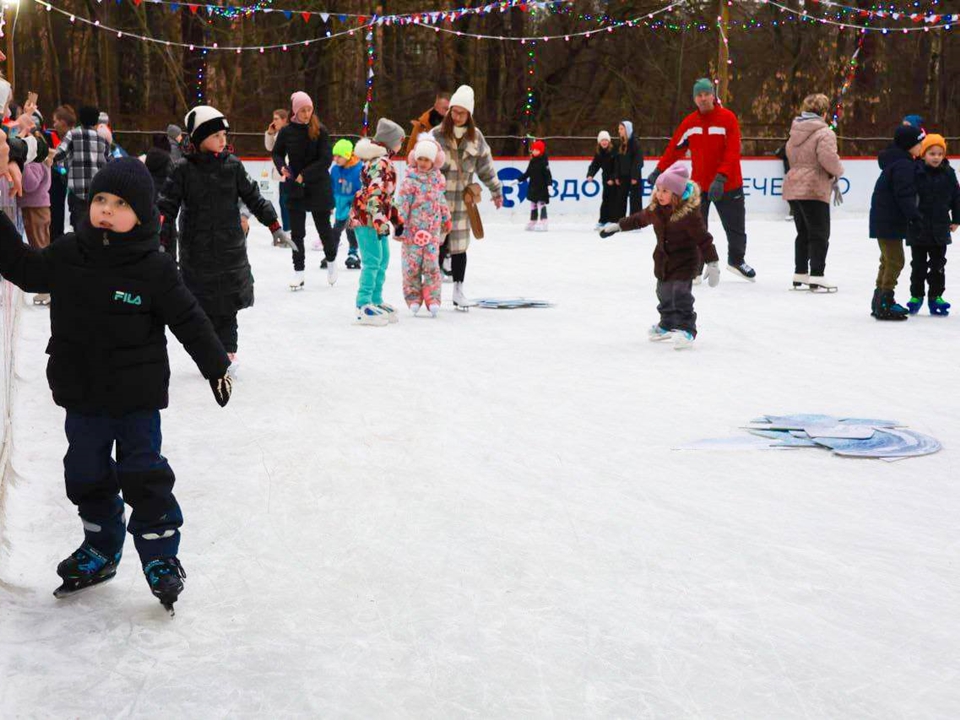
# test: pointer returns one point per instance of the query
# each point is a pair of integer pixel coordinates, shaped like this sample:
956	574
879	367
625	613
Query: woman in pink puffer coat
815	168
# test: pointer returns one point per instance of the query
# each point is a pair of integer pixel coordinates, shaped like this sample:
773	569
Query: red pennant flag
305	16
137	2
362	19
193	8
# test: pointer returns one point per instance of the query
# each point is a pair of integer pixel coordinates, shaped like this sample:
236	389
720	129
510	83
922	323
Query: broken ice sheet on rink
847	437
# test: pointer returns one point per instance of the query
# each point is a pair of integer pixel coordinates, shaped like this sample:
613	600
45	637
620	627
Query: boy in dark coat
939	200
629	171
113	292
208	183
893	209
605	162
540	179
683	247
159	162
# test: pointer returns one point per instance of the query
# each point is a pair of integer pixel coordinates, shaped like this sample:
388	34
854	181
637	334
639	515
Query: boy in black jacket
893	211
113	292
605	162
939	196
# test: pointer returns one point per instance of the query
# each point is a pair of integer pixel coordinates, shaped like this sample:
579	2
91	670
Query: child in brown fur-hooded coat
683	245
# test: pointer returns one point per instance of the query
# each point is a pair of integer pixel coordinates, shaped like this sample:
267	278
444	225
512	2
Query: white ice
484	515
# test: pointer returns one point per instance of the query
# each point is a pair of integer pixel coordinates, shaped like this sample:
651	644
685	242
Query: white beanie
203	121
426	149
463	98
604	135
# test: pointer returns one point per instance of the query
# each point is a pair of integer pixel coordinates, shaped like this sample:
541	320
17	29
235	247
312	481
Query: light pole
11	8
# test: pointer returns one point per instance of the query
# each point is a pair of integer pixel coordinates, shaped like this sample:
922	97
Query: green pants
374	257
891	263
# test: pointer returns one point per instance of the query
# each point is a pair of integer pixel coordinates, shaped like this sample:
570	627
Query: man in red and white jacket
712	135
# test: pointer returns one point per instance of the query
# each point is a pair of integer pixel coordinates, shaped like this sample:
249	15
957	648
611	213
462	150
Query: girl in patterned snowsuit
423	211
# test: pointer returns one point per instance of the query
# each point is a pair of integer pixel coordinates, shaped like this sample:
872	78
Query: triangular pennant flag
325	16
174	7
343	18
137	2
305	16
193	8
362	19
287	14
370	74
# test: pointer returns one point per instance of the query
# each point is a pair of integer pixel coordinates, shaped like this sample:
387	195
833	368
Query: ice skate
888	309
353	261
914	304
42	299
938	306
460	301
531	226
820	284
85	568
297	283
372	315
165	578
332	272
542	226
415	308
434	310
682	339
657	334
743	270
390	312
800	279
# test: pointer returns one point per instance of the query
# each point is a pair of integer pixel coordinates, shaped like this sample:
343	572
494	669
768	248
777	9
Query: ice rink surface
484	515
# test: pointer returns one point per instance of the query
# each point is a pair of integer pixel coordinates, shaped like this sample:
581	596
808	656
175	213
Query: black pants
733	217
812	218
338	227
298	231
628	194
78	210
458	263
927	265
58	202
227	330
609	203
676	305
533	211
95	483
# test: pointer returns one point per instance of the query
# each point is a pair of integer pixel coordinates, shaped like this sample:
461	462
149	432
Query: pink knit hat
675	179
297	101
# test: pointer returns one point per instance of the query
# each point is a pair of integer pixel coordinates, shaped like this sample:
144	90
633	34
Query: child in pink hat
683	245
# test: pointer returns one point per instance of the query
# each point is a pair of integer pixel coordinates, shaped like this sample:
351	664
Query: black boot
875	302
165	578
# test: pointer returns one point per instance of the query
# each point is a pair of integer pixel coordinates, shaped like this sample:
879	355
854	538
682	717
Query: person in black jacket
113	293
629	171
303	155
938	194
893	209
159	162
208	183
605	162
540	179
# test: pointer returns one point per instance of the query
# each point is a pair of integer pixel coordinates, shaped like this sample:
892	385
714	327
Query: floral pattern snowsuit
423	210
372	213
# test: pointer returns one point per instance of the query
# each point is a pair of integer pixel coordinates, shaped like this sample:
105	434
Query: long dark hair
313	128
448	125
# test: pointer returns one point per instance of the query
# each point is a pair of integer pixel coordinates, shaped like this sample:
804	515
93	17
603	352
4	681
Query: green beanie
343	148
703	85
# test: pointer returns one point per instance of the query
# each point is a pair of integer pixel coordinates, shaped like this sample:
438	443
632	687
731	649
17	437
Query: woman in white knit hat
467	154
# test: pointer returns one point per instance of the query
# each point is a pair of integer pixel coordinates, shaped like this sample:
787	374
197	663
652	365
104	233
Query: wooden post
10	11
723	60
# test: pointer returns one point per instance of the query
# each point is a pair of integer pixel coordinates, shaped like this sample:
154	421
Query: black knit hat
88	116
127	178
907	136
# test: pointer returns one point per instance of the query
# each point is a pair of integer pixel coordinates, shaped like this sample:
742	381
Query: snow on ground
484	515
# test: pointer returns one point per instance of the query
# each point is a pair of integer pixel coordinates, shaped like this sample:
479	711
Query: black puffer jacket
311	158
213	250
540	178
160	165
894	203
630	160
939	196
111	295
604	161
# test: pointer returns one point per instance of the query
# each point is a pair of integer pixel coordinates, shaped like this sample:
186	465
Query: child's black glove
222	387
652	177
609	229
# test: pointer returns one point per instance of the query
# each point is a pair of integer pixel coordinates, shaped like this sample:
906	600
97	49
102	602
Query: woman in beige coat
467	153
815	168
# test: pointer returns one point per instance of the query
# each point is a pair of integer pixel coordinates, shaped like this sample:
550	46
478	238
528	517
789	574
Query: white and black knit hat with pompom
202	122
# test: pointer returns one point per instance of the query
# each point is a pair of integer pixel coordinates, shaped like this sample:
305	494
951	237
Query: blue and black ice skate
85	568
